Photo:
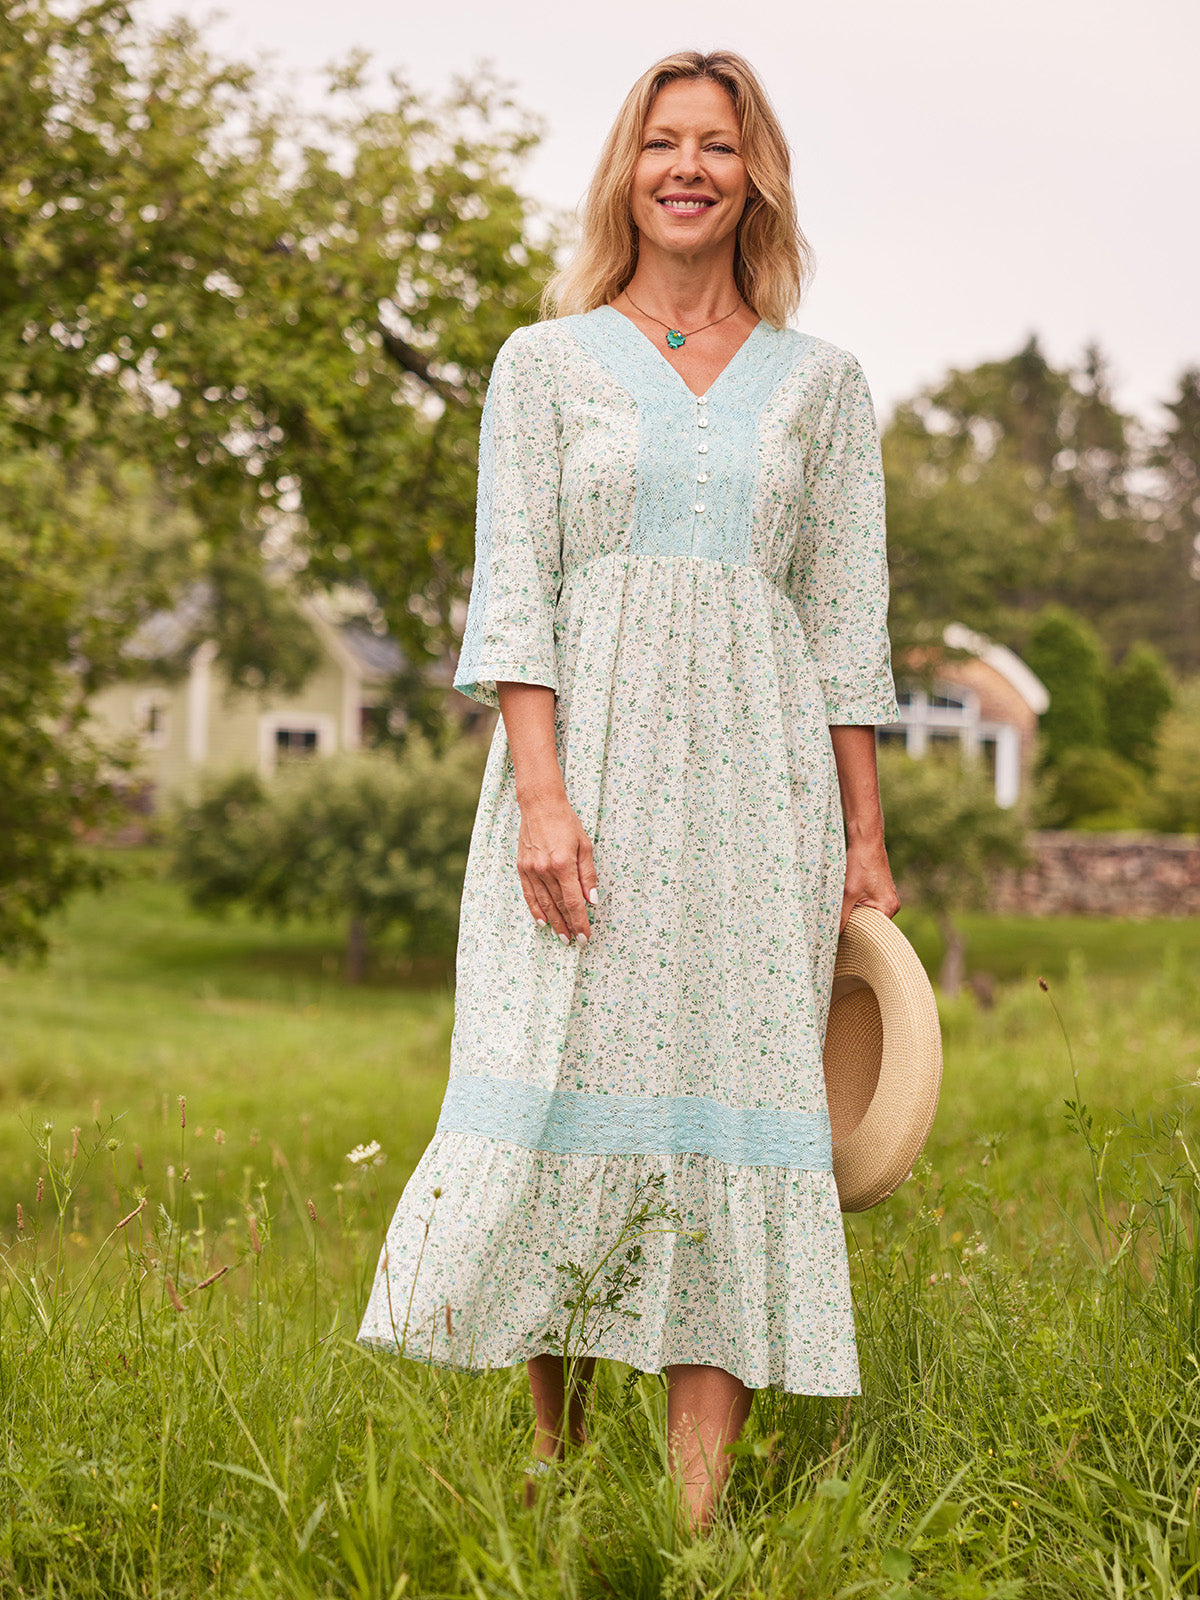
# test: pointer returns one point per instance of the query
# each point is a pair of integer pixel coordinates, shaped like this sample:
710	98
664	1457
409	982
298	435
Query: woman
679	605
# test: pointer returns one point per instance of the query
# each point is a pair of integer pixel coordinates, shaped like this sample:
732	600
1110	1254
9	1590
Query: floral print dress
634	1150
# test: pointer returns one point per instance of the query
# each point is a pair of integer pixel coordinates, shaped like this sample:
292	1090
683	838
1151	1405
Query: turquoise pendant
675	338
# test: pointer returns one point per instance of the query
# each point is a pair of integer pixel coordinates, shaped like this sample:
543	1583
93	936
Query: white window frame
919	720
272	722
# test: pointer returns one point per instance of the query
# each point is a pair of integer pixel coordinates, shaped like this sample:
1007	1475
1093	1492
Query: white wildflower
364	1154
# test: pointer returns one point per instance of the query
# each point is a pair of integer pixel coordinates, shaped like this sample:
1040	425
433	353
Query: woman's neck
684	290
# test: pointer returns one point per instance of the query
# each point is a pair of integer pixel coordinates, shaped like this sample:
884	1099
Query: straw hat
883	1060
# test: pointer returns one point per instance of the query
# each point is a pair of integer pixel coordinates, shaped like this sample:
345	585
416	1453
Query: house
983	701
198	725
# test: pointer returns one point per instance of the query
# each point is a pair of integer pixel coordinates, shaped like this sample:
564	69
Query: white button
699	508
702	449
701	399
702	422
702	477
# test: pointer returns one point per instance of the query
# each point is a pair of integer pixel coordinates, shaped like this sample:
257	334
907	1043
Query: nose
687	161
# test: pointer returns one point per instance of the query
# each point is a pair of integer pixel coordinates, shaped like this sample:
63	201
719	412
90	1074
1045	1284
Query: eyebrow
710	133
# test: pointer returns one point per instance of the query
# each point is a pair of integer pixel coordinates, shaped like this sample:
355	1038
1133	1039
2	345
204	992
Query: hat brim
883	1060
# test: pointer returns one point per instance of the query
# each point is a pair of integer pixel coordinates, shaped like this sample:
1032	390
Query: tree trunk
954	955
356	951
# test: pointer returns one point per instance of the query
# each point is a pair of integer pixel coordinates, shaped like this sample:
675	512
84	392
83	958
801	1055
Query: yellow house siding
203	727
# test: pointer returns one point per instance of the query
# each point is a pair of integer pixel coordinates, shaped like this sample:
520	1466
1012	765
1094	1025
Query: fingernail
541	922
581	938
594	897
564	938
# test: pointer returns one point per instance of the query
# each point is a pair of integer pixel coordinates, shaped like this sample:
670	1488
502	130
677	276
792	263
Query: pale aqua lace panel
569	1123
697	455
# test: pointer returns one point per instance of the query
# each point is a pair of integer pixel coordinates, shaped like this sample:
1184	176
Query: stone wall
1105	875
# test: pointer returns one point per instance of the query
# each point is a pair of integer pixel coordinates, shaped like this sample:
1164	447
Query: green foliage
946	838
946	835
1066	655
1086	785
1175	799
271	329
1176	459
1026	1309
374	840
1137	696
291	314
1008	489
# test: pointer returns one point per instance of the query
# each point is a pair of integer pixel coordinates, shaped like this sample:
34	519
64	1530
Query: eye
723	149
656	144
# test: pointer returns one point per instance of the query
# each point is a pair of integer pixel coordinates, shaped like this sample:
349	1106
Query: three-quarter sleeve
509	632
838	578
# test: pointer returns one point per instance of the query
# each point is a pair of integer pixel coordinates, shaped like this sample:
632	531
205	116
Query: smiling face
690	185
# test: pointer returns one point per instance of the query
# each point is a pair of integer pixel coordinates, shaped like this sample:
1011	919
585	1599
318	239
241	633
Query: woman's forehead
684	103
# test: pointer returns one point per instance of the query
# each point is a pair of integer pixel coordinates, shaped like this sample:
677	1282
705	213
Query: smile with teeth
689	206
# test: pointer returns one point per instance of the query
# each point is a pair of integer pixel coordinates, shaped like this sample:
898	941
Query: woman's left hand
868	880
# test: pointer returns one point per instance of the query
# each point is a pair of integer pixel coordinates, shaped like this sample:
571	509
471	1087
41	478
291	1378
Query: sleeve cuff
478	679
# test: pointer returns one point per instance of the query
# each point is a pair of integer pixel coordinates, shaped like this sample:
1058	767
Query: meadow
185	1249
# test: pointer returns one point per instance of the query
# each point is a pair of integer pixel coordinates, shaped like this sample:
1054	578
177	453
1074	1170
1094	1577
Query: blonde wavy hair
773	261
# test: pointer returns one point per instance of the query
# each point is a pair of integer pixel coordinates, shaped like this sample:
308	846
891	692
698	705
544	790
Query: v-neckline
644	339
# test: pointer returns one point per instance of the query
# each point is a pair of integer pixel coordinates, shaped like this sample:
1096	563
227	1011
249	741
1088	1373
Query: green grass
1028	1307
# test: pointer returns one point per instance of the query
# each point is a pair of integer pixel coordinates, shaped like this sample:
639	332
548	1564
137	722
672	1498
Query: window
946	699
152	719
891	738
295	742
286	736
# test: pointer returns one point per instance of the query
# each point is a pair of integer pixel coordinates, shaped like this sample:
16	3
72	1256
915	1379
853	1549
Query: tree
367	840
293	317
285	322
1066	655
1174	803
946	837
1177	461
1137	696
1015	484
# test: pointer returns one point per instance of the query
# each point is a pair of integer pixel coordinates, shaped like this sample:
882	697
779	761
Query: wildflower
41	1189
182	1111
255	1238
127	1219
1043	986
312	1212
437	1193
187	1172
75	1132
20	1218
219	1136
207	1283
173	1293
364	1153
114	1144
253	1138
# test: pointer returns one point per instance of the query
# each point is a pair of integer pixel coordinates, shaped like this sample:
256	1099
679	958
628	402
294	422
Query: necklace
674	336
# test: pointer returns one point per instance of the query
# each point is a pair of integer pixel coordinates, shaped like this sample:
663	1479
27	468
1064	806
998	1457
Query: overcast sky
968	173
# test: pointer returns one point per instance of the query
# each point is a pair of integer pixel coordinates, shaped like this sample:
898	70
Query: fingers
555	893
587	871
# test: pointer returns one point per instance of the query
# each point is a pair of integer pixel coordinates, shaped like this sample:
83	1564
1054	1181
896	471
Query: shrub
1085	784
1174	802
378	841
946	837
1138	696
1067	657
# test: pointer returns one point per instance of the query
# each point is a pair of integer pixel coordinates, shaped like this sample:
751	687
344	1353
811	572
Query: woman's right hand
556	867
